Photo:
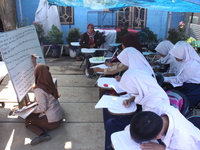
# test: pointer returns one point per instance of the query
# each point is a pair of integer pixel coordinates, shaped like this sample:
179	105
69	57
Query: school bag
179	101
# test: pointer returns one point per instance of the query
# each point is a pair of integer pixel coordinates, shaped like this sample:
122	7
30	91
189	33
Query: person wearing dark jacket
91	39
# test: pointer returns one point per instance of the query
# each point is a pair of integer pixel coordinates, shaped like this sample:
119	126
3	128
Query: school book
26	111
106	82
102	66
121	140
115	104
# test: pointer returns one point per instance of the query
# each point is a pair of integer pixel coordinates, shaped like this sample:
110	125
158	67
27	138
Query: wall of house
176	18
157	21
26	9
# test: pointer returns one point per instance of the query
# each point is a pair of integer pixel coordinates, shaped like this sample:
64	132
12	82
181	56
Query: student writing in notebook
147	93
48	112
174	130
129	41
187	80
163	49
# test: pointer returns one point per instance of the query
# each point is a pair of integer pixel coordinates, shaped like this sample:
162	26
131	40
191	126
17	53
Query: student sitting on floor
174	130
128	41
187	79
163	49
147	93
48	112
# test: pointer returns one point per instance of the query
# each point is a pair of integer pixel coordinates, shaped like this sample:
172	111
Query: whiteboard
16	47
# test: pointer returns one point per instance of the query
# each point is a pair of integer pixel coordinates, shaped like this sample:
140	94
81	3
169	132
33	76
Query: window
132	17
66	15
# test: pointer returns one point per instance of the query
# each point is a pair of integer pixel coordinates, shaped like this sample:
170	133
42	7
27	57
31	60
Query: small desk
92	50
94	61
107	84
75	44
150	53
115	44
3	71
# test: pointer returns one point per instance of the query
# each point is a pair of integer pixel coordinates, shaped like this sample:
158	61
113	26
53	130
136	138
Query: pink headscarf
91	35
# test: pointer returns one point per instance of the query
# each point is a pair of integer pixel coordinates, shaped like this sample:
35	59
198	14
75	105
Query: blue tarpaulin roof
166	5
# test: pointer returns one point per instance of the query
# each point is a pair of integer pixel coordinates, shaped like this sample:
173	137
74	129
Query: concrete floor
82	126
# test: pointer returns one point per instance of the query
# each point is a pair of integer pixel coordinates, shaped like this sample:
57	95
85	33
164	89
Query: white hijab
134	59
186	52
163	48
150	95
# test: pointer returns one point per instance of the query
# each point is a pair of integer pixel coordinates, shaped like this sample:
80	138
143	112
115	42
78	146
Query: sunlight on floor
27	141
68	145
9	144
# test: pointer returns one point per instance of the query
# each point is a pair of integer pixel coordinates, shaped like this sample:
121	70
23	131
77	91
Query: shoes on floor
88	76
41	138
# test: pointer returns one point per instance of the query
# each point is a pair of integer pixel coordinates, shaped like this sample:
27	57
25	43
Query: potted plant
73	35
40	32
54	37
175	35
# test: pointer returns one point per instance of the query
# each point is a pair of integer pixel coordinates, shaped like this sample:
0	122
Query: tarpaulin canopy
166	5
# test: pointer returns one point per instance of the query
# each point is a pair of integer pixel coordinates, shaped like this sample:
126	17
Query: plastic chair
179	100
195	120
193	109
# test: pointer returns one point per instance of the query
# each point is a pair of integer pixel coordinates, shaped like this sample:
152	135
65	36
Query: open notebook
110	82
102	66
114	104
26	111
121	140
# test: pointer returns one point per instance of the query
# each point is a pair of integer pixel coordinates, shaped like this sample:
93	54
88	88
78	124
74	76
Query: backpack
179	101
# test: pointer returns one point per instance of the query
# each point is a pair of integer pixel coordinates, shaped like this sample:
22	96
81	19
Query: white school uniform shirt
163	48
181	133
134	59
187	68
149	94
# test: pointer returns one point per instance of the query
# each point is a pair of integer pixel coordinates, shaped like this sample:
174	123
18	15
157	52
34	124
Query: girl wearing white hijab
134	59
163	48
187	79
147	93
146	90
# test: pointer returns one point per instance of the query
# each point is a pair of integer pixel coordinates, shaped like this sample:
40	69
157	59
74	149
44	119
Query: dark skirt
192	92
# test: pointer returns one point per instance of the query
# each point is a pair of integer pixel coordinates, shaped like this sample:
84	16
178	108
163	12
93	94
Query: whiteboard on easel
17	47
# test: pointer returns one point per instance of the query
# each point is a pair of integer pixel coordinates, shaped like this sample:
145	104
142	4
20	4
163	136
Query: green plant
73	35
54	36
24	22
175	35
146	36
40	31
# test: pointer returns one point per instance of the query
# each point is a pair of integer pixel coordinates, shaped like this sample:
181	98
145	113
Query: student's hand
97	69
118	78
152	146
33	59
126	103
108	63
